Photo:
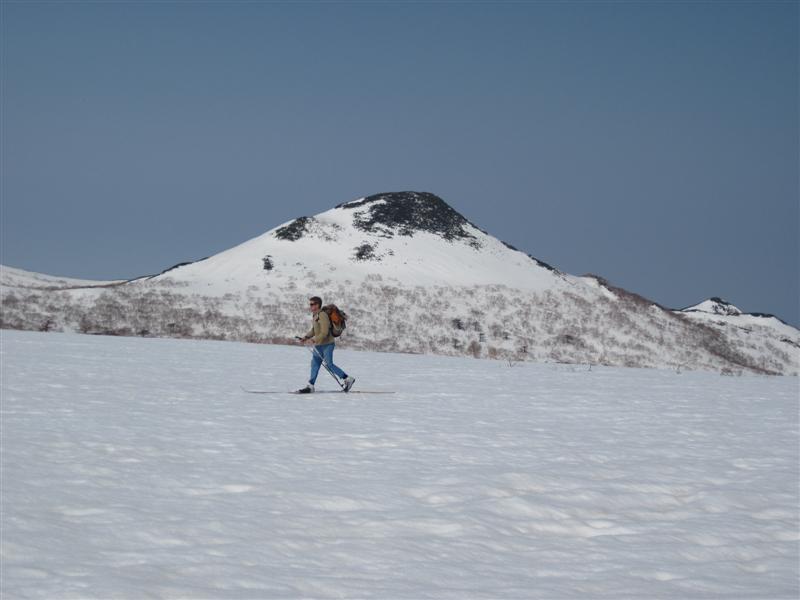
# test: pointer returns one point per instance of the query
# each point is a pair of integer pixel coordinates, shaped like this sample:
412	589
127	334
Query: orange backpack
337	317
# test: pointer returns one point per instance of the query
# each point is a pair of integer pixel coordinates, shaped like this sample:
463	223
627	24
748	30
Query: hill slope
415	276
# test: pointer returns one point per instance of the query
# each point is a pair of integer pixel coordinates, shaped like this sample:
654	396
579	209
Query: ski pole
314	350
327	368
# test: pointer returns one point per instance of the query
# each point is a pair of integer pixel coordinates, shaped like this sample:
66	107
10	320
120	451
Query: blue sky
654	144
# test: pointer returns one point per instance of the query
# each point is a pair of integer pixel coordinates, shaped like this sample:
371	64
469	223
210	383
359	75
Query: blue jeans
325	351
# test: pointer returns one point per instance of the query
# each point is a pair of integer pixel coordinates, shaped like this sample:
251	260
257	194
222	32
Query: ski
317	392
343	392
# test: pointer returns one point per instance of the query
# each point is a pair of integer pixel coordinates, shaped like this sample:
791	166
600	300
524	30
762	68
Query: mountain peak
392	214
715	306
406	234
406	213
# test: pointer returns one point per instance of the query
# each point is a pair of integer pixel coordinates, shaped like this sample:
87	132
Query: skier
324	345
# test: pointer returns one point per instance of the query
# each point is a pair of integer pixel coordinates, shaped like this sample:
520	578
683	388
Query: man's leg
327	353
316	361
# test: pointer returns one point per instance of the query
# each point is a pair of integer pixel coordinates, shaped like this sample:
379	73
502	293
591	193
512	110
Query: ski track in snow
137	468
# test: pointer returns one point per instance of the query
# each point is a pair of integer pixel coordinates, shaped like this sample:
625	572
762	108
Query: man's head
314	304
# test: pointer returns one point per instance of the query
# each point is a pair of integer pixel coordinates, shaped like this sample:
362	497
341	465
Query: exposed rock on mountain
406	213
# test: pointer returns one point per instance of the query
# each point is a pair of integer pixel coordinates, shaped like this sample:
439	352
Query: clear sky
654	144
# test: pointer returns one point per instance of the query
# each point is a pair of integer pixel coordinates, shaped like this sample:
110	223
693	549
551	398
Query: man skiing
324	344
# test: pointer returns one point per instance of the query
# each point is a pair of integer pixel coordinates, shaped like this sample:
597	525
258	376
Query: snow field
136	468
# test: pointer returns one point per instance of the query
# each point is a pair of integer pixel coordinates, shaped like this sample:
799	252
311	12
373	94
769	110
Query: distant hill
414	276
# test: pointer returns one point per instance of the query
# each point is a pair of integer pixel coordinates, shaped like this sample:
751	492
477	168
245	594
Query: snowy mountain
409	238
741	327
714	306
415	276
716	310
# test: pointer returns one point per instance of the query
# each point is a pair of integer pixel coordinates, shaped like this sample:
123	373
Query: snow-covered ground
137	468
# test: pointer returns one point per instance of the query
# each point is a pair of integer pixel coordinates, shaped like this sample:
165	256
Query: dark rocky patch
178	266
294	230
405	213
172	268
790	342
722	302
509	246
764	316
544	264
533	258
366	252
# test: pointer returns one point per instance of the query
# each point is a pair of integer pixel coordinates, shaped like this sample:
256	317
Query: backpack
337	317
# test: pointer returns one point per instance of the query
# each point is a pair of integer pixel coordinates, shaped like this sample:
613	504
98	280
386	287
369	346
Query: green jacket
321	329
